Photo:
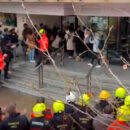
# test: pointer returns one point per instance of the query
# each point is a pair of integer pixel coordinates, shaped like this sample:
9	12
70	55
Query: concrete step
24	77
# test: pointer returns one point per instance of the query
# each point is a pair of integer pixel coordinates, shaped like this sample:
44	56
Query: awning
34	8
64	9
103	9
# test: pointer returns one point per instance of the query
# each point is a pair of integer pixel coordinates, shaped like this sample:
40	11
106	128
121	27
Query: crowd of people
73	40
35	46
107	114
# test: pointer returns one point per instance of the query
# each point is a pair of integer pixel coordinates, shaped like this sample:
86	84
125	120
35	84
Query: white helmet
71	97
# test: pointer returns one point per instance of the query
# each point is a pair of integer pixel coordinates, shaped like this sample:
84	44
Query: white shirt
95	43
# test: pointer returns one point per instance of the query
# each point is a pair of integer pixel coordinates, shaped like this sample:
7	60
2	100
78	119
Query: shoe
32	61
10	72
7	77
90	64
70	57
98	66
1	82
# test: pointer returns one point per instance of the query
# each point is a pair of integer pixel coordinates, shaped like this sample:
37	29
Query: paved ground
22	100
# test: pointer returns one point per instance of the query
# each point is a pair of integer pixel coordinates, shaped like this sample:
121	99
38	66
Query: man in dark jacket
83	114
104	96
79	45
61	120
14	121
71	99
39	122
102	121
6	49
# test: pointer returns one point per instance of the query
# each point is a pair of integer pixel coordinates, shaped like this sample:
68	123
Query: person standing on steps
95	57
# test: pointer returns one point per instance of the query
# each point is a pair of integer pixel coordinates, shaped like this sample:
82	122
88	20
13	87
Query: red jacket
44	43
2	65
120	124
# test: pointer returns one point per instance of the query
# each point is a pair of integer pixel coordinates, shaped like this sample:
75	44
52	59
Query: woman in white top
70	44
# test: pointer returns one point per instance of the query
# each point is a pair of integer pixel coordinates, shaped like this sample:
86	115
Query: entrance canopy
66	8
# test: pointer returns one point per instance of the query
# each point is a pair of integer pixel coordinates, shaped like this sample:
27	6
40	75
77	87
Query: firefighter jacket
2	65
44	43
118	125
40	124
15	122
62	121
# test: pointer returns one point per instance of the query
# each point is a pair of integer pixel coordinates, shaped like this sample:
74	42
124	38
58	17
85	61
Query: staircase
24	78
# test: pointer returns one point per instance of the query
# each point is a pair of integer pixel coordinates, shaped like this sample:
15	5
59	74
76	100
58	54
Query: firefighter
2	65
120	94
104	96
127	101
61	120
123	119
14	121
43	42
82	120
48	113
70	99
39	122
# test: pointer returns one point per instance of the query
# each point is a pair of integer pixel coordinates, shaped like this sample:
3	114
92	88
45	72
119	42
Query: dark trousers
95	58
70	52
6	69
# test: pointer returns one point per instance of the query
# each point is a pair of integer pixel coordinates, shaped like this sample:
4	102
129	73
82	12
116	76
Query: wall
21	19
49	20
37	19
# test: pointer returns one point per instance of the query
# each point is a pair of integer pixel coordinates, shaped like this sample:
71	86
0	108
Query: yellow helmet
42	31
120	92
58	106
84	100
104	94
38	109
123	113
127	100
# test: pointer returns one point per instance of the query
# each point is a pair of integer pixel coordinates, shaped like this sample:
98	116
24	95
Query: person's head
25	25
58	106
11	109
39	109
127	101
0	32
120	93
12	30
29	32
71	29
42	31
40	100
97	35
123	113
84	100
104	95
41	25
108	109
2	113
78	28
6	30
70	97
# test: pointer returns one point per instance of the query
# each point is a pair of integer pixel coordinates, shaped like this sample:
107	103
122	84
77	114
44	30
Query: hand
24	112
5	55
13	46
